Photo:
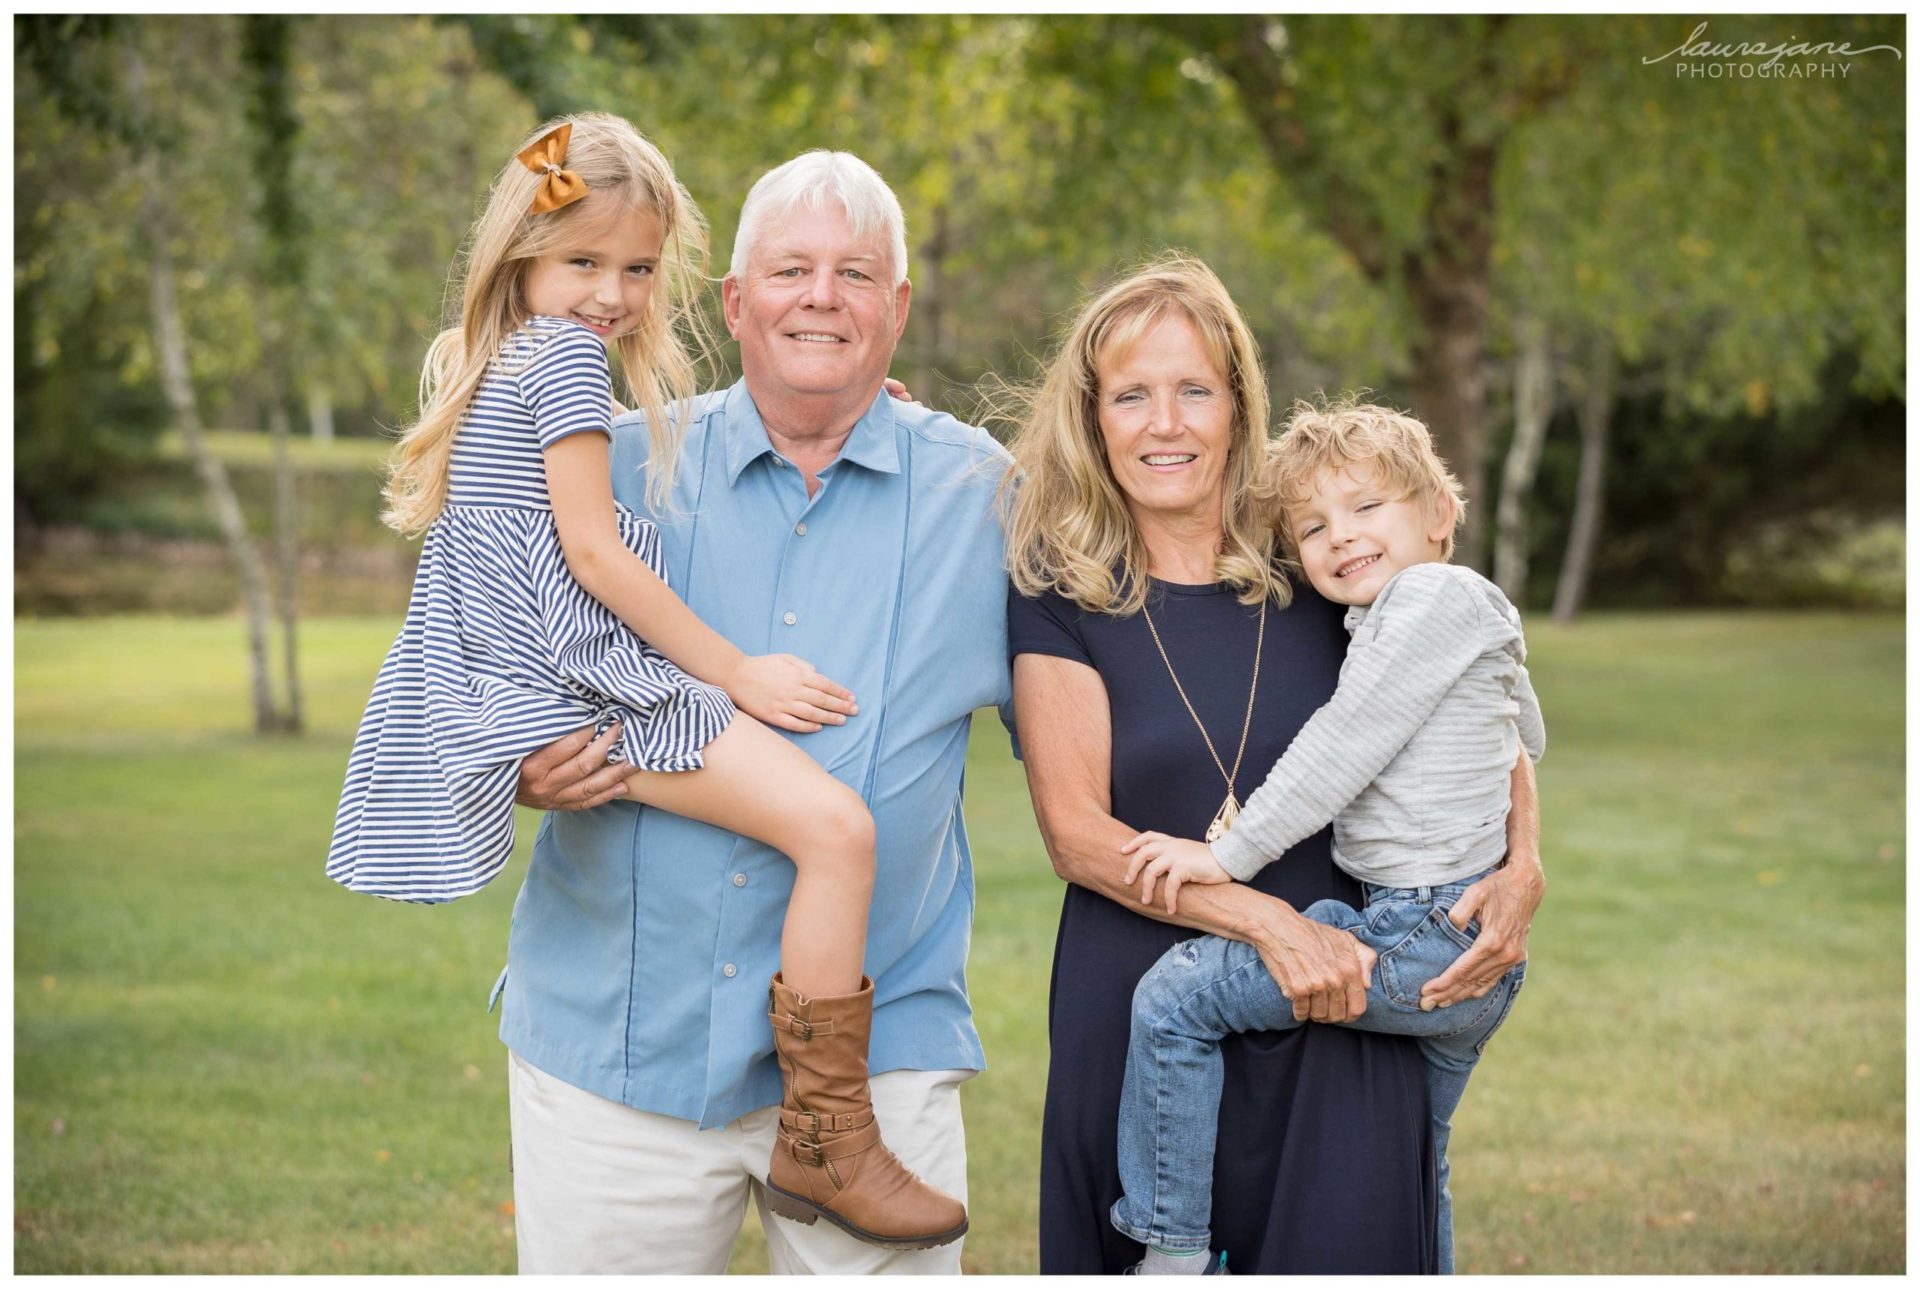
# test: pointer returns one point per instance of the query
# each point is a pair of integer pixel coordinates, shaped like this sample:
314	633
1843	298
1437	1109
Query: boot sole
796	1208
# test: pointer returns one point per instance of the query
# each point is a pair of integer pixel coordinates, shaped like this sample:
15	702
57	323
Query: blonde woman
1162	660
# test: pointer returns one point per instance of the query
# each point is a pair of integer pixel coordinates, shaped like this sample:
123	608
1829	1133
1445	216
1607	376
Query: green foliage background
1738	242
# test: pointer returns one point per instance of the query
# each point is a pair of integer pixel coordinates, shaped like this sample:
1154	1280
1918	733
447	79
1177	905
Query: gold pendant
1229	811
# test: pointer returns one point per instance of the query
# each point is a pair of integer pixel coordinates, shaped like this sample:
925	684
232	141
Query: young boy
1410	760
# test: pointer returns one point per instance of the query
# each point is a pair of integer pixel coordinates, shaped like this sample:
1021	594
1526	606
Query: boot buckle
811	1131
802	1029
816	1157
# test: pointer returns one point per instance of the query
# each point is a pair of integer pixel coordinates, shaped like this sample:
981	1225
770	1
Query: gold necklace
1230	808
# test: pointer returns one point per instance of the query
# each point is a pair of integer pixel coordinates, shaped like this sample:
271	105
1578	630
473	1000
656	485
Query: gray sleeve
1533	727
1428	634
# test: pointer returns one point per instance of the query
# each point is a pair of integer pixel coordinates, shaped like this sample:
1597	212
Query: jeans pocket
1443	918
1426	951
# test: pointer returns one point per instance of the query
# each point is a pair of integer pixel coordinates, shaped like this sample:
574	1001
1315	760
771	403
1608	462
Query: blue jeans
1204	989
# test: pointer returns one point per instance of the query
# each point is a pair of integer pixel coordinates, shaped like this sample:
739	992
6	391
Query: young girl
539	606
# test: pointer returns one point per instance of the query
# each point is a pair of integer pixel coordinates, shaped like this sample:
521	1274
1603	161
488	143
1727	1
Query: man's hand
1156	855
781	690
573	774
1504	901
1323	970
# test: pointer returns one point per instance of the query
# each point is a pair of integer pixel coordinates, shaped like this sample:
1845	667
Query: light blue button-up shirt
642	942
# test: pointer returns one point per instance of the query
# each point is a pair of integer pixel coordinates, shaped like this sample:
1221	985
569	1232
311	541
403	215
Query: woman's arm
1066	742
779	688
1504	901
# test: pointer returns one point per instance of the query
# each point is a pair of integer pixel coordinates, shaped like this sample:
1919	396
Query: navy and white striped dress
502	651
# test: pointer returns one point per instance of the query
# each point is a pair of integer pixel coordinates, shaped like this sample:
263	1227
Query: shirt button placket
729	971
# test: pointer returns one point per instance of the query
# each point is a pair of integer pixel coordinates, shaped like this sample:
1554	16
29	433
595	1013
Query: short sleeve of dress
1048	624
568	388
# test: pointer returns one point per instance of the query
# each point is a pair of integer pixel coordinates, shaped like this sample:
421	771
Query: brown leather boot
828	1160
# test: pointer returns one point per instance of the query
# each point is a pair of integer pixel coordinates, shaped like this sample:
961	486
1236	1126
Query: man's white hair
808	182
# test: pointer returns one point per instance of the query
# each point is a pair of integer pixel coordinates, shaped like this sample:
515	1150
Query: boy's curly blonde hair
1348	434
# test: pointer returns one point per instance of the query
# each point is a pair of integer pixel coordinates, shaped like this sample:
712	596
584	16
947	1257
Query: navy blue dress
1325	1162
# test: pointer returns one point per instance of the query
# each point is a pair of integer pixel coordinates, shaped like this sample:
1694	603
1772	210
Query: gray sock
1184	1262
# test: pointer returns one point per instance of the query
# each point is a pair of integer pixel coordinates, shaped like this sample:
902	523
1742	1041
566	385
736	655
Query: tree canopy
1386	197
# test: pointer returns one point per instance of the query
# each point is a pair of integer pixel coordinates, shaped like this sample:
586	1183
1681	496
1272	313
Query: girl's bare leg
759	785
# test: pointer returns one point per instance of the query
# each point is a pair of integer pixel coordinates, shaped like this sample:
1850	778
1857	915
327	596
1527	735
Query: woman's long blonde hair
621	170
1068	526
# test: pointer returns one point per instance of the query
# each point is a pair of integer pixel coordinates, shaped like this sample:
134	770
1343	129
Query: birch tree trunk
170	340
320	412
170	343
1532	410
1596	411
286	534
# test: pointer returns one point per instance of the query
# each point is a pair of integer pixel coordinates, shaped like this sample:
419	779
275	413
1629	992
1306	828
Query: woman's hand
1156	855
781	690
1322	969
1504	901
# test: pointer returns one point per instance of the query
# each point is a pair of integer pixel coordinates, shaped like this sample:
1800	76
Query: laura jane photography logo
1701	58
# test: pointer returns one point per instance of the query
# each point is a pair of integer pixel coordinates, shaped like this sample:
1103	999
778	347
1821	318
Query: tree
275	130
1389	133
1532	409
72	58
1389	200
1715	251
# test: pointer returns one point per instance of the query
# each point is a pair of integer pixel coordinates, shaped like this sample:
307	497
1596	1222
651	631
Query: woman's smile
1166	462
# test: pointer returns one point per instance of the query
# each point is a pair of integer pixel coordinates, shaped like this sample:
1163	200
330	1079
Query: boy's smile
1354	534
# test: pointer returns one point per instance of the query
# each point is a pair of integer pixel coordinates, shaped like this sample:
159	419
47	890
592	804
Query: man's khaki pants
602	1187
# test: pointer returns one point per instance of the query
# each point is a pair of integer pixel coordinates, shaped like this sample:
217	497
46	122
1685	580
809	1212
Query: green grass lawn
223	1063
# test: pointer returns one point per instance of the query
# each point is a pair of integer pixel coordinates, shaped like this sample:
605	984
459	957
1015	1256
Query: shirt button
729	970
739	879
800	529
790	618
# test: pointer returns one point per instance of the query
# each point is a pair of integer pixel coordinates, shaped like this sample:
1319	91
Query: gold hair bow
558	187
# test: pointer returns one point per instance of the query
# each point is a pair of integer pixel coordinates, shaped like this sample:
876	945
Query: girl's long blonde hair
622	170
1068	526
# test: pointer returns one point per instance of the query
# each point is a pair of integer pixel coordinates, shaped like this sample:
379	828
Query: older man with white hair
812	514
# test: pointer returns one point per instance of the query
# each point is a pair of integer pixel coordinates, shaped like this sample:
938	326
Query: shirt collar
871	445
